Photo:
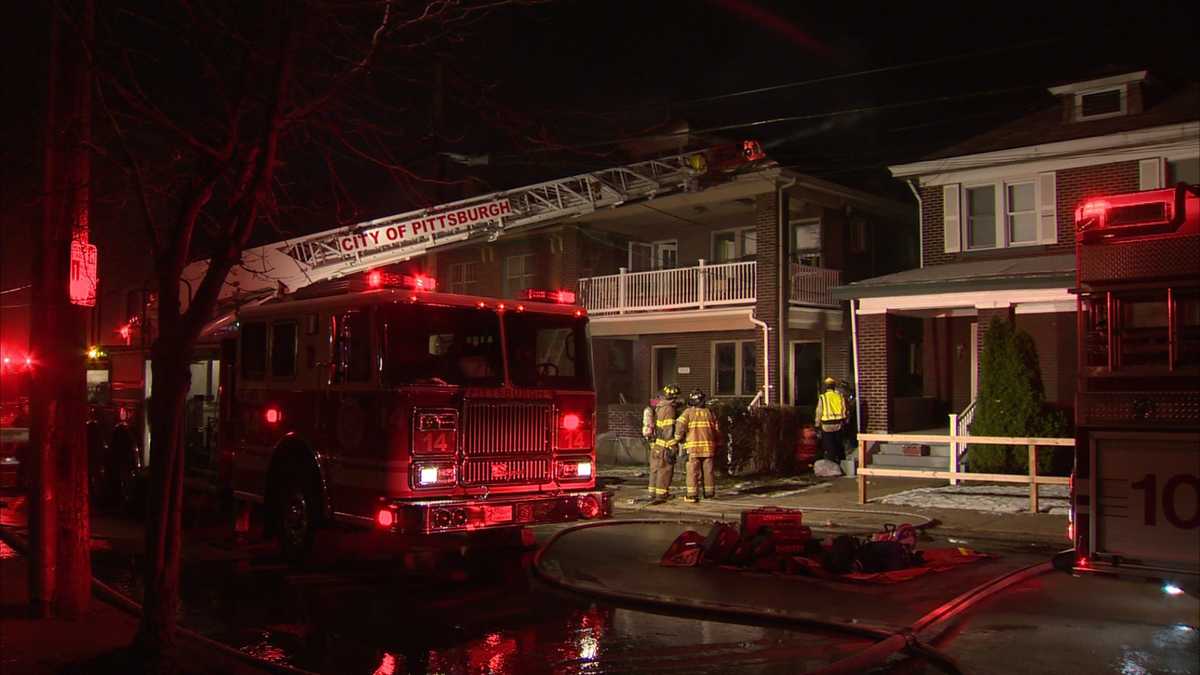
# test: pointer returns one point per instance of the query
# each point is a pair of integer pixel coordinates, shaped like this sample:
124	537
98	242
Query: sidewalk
832	505
95	643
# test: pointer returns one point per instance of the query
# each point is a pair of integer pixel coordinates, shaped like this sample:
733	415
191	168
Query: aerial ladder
288	265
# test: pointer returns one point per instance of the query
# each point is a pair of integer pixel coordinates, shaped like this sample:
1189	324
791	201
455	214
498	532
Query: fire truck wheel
296	513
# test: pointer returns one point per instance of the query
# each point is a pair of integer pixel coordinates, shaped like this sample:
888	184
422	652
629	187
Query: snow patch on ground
1053	499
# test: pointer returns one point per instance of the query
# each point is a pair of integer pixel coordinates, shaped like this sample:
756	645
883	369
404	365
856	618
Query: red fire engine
1135	498
374	401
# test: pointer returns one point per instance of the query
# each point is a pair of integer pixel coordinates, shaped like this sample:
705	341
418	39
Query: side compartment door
351	413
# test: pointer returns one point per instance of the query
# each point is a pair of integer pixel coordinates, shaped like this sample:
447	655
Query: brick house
706	288
997	240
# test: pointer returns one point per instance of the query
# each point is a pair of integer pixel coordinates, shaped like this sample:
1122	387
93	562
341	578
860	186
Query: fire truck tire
296	511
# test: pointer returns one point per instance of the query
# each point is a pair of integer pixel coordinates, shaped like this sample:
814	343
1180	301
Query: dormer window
1103	103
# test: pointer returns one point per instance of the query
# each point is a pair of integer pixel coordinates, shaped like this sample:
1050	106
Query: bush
1012	402
759	440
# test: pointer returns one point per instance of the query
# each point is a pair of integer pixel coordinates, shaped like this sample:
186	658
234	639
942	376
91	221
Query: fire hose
915	639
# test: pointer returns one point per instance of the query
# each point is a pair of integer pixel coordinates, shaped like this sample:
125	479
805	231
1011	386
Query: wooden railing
953	472
814	286
680	288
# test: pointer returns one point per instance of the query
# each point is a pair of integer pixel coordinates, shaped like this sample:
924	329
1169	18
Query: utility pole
60	562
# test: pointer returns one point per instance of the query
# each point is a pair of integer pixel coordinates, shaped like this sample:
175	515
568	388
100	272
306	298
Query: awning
1047	271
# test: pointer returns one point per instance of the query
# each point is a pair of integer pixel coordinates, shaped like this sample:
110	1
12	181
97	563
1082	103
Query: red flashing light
578	313
520	308
562	296
589	507
126	332
500	306
273	415
481	304
7	361
375	279
385	518
28	361
1082	561
424	283
571	421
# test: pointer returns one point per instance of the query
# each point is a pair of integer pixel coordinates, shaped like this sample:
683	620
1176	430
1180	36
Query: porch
699	287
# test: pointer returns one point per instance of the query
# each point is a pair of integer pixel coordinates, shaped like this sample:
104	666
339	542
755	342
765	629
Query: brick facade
769	291
874	362
1072	187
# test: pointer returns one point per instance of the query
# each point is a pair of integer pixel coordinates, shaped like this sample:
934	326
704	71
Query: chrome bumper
468	515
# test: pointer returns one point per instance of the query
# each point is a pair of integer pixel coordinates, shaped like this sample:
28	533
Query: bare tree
219	113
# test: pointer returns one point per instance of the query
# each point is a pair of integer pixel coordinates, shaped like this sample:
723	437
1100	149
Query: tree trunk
164	535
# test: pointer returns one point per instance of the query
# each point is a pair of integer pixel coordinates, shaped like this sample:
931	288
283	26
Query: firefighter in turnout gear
831	416
696	430
658	426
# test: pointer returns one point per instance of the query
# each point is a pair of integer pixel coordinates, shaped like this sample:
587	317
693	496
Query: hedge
759	440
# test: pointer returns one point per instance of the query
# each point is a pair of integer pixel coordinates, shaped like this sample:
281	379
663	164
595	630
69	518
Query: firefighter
831	415
696	429
658	426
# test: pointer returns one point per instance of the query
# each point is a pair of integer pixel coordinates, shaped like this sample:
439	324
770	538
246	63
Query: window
981	216
440	345
254	350
657	255
1183	171
546	350
519	271
734	368
806	242
464	277
663	366
283	350
1104	103
1021	213
352	348
734	245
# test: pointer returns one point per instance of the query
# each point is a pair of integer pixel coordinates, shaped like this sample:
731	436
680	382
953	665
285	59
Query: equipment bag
720	544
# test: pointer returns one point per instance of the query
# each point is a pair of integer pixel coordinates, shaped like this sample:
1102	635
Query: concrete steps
891	455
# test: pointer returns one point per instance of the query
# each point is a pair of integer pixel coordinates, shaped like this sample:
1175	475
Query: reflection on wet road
469	616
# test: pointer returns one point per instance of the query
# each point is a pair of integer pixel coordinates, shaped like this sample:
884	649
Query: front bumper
469	515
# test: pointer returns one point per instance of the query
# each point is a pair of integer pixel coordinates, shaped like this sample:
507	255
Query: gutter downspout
854	356
912	185
766	356
785	277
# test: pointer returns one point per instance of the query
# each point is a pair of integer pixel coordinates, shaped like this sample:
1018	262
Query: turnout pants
831	445
700	477
661	472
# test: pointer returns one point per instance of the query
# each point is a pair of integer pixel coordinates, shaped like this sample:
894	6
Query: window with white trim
1100	103
1020	212
463	277
1017	211
734	245
734	368
981	216
519	272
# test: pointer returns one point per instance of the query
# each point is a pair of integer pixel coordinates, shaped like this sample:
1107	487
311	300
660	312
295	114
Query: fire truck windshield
440	345
548	350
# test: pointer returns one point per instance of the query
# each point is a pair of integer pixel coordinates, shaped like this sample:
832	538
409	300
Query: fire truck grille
503	470
507	428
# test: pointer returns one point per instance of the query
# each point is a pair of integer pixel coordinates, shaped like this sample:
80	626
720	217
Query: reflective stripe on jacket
831	407
696	428
664	423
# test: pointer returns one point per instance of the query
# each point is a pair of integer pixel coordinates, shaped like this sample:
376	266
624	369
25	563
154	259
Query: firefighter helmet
696	398
829	382
671	391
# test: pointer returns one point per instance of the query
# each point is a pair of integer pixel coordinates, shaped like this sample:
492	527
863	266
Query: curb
128	605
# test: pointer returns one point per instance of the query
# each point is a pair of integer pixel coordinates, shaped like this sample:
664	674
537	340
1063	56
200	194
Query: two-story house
997	240
726	288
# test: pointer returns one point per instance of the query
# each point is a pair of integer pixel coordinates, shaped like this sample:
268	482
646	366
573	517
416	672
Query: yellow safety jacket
831	410
664	424
696	428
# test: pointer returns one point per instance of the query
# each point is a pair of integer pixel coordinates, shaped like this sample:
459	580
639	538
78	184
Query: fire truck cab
376	401
1135	497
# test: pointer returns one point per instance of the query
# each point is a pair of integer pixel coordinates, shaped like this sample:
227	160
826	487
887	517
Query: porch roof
1047	271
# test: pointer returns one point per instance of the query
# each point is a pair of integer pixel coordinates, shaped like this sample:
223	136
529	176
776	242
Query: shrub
1012	402
759	440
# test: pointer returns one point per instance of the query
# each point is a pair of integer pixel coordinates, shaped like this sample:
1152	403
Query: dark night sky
587	72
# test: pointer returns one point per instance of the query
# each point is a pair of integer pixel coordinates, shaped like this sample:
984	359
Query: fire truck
375	401
1135	491
317	280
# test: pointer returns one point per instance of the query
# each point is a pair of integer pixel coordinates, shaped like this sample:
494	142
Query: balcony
699	287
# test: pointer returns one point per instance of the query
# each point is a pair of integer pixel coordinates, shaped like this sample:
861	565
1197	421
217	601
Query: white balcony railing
658	290
814	286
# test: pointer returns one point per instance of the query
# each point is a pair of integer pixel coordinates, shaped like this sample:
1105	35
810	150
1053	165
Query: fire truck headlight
1172	589
583	469
429	475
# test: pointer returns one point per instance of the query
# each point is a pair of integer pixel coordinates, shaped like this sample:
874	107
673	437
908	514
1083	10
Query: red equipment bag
790	540
686	551
771	517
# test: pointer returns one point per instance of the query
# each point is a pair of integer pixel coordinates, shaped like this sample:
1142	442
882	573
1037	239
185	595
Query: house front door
806	370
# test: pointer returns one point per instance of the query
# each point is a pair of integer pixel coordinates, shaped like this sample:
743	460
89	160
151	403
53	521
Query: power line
14	290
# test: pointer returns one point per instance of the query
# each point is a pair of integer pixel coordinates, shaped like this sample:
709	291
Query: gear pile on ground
774	540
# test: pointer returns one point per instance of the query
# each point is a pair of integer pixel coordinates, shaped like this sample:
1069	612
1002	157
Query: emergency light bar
417	282
1152	212
561	296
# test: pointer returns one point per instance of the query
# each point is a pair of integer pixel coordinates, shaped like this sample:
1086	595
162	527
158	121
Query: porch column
875	361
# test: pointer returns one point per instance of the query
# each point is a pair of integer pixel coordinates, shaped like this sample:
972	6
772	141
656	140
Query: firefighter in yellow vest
696	430
658	426
831	416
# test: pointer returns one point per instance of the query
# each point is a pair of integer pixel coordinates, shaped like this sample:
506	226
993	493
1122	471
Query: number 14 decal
1149	485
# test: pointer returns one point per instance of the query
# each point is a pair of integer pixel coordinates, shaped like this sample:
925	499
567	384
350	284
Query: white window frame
458	279
1003	232
798	255
739	386
1123	96
509	278
739	243
656	250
